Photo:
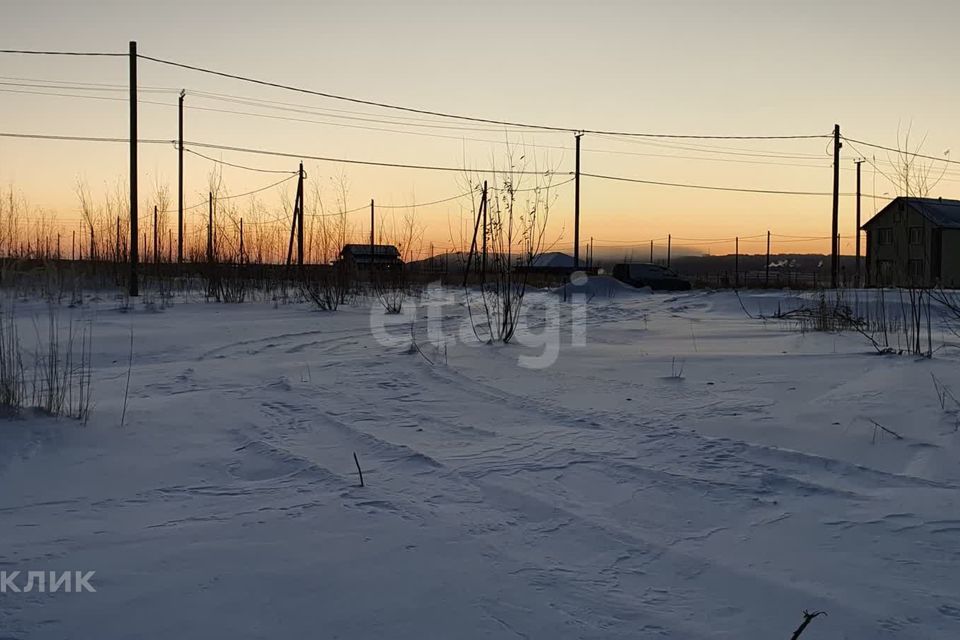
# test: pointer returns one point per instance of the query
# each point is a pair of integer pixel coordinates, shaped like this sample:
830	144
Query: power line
80	86
239	195
238	166
705	187
441	114
714	187
38	136
113	86
902	151
422	167
63	53
396	165
420	133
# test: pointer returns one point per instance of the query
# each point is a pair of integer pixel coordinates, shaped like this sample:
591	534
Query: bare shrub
516	218
59	383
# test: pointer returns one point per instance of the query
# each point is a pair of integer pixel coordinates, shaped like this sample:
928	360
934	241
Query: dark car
654	276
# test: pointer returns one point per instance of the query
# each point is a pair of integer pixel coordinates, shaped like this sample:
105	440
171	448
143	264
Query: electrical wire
705	187
902	151
64	53
441	114
237	166
419	133
372	163
38	136
231	197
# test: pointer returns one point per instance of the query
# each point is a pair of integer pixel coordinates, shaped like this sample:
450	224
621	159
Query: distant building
914	242
554	263
382	257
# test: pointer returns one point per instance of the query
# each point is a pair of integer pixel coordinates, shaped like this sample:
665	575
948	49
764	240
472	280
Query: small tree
517	209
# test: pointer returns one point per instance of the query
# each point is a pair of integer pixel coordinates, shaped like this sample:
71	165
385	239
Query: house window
916	235
886	236
915	268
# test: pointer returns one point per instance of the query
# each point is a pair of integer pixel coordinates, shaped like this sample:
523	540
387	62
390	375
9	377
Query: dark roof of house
364	250
552	260
940	212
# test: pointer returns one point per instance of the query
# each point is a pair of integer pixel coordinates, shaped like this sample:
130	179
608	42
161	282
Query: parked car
654	276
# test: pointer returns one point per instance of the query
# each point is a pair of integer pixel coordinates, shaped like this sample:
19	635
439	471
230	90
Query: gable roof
552	260
364	250
940	212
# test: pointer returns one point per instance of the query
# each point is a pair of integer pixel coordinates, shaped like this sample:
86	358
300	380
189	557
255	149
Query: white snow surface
602	497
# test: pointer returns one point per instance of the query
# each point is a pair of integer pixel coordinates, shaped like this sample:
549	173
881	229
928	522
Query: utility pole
210	227
736	263
300	217
180	183
293	226
156	249
576	207
241	241
134	232
483	259
835	253
372	227
858	162
766	277
669	248
651	252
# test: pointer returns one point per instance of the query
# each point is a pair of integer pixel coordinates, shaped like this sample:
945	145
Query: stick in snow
890	431
359	470
807	618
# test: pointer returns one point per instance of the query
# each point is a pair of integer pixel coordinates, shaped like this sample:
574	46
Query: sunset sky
755	67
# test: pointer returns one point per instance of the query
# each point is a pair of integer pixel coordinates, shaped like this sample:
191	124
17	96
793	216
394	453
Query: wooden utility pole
241	241
651	252
116	249
300	216
373	223
766	277
180	183
134	232
210	227
156	248
483	260
476	228
669	248
858	162
736	263
293	225
576	207
835	252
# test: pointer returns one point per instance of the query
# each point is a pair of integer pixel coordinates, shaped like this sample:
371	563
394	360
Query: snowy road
602	497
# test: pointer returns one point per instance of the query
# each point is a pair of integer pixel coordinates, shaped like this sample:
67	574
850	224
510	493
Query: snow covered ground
688	473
